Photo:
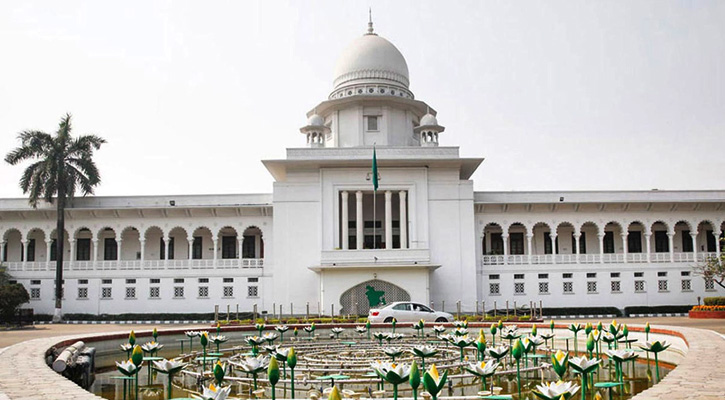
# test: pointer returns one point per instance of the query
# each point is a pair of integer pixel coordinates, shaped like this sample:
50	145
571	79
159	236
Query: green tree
11	296
713	268
61	165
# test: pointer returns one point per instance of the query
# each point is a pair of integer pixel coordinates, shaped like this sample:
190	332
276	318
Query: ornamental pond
347	358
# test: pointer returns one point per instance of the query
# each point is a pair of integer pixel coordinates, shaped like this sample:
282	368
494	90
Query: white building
324	237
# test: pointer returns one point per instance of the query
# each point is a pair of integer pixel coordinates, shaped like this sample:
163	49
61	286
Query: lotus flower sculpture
218	340
259	328
170	368
361	329
483	370
433	382
151	348
461	342
556	390
252	366
337	331
461	323
310	329
191	335
379	336
460	331
439	329
214	393
619	357
497	352
392	373
390	336
127	368
269	337
420	327
575	328
584	366
393	352
655	347
282	355
424	352
254	341
127	347
281	329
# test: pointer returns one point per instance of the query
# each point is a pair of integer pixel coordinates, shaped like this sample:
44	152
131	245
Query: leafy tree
11	296
61	165
713	268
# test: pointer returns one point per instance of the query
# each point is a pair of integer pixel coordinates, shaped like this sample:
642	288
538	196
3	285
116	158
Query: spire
370	22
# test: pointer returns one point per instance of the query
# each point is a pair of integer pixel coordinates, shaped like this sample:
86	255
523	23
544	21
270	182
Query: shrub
525	318
715	301
293	321
11	297
362	320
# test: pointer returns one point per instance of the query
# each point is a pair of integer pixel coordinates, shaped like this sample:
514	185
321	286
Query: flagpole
375	221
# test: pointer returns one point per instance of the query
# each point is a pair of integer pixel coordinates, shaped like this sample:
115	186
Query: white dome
371	58
316	120
428	120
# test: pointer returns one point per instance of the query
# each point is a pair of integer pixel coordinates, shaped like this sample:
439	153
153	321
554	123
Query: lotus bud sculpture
420	327
392	373
218	328
560	363
204	340
588	328
169	367
281	329
590	345
295	332
132	338
655	347
533	330
367	326
433	382
483	370
414	379
292	363
273	375
556	390
334	394
394	323
259	328
480	345
310	329
493	329
155	335
646	331
584	366
517	352
137	360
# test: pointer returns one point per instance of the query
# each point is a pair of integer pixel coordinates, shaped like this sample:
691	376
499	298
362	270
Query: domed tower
315	130
371	103
428	130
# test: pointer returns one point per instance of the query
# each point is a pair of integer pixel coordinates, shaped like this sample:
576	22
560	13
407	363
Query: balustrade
609	258
130	265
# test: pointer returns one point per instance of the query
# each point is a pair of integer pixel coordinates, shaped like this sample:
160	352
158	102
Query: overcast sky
192	95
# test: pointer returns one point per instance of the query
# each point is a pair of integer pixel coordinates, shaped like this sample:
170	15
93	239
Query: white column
577	236
529	245
190	241
359	220
344	239
671	237
553	247
388	219
72	244
601	248
25	250
215	240
119	247
143	250
95	250
624	246
403	220
240	243
505	238
694	246
2	251
717	242
48	246
647	237
167	241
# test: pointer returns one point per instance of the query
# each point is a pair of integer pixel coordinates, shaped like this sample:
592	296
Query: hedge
656	309
715	301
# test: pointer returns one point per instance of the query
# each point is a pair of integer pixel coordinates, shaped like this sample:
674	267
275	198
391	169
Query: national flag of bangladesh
375	171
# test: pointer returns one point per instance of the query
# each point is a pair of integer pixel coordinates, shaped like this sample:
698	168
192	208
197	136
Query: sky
191	96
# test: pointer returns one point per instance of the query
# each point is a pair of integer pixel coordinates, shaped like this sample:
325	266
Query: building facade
326	241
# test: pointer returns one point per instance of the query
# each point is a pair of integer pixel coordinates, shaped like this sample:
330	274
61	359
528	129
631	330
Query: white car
406	311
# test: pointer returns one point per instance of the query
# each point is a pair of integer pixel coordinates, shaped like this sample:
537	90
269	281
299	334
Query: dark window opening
686	242
196	251
110	249
83	249
634	242
662	243
609	242
229	247
517	243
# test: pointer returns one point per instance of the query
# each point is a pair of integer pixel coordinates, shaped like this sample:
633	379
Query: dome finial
370	21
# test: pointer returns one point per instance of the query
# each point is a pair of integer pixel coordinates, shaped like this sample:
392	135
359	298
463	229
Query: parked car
406	311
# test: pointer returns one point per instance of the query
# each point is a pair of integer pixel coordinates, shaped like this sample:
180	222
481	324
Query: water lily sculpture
169	367
556	390
439	329
254	341
390	336
281	355
433	382
461	323
461	342
127	368
361	329
393	352
560	363
337	331
218	340
151	348
584	366
259	328
609	339
575	328
269	337
655	347
510	333
483	370
392	373
379	336
191	335
423	352
127	347
460	331
281	329
252	366
310	329
497	352
214	393
620	357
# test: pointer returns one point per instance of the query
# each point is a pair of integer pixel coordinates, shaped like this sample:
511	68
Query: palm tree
61	165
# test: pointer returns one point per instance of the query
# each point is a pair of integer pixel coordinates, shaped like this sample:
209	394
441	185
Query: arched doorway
359	299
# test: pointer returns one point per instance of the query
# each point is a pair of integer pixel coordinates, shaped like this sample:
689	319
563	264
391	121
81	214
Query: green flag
375	171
